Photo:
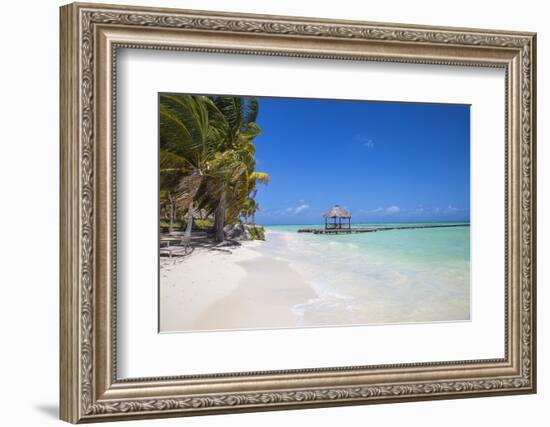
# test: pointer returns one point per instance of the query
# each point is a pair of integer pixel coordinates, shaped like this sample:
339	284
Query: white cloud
368	144
390	210
297	209
451	209
368	211
364	140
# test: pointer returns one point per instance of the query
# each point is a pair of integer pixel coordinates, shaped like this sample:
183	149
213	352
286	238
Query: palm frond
252	108
171	161
237	197
191	126
261	177
231	108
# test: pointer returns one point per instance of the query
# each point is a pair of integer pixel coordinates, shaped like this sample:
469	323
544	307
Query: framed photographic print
263	212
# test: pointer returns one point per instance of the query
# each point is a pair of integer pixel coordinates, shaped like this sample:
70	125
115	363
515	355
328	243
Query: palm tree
236	185
253	179
225	189
176	180
207	155
249	209
255	207
192	131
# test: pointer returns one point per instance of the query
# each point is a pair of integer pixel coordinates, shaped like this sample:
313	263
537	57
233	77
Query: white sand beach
236	288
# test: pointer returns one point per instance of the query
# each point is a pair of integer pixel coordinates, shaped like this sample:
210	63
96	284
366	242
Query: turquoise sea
416	275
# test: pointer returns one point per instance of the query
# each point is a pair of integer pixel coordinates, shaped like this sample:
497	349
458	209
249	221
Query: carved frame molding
90	36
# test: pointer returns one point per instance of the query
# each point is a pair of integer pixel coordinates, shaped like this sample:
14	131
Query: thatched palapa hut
337	214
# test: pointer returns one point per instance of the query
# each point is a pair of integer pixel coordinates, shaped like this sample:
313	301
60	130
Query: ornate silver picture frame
91	34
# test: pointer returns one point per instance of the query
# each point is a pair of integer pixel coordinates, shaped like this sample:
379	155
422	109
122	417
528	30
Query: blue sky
385	162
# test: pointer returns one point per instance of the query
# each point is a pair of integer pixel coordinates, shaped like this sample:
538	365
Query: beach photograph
293	213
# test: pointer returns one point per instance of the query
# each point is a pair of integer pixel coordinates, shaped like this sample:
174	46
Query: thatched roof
337	212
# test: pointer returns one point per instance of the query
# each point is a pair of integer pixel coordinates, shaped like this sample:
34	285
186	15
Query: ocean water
402	276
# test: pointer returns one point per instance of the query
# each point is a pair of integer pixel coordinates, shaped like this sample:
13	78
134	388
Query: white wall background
29	170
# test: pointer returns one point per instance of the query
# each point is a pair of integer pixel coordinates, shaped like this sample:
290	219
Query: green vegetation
181	224
204	224
207	162
257	232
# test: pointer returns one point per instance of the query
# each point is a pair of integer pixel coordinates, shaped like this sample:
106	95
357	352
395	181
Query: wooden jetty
352	230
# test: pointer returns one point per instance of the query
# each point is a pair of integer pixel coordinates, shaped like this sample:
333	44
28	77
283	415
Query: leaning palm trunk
188	188
190	213
219	220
